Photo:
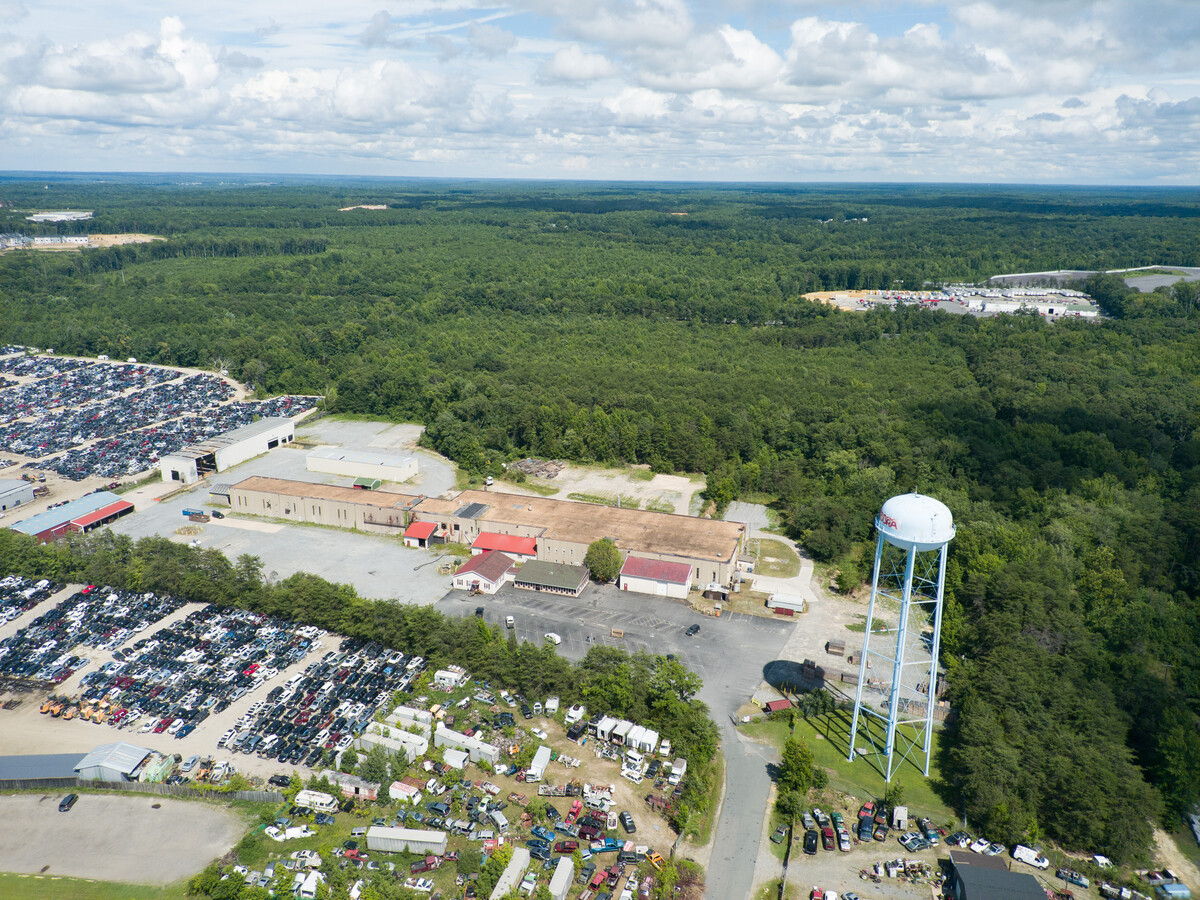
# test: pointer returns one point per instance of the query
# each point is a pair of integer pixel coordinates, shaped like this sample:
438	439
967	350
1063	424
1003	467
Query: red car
164	725
566	846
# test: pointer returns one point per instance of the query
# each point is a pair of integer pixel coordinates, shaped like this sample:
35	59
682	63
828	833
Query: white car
981	846
538	733
553	638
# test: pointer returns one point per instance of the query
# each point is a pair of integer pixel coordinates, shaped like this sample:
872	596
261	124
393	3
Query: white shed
786	604
605	728
648	742
636	733
406	840
621	732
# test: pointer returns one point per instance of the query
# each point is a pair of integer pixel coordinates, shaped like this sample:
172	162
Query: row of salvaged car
321	709
136	451
53	432
19	595
77	386
93	617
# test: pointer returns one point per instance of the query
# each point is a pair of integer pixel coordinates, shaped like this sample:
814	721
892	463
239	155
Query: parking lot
143	839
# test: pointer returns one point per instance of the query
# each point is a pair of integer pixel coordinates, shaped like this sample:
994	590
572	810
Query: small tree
603	560
791	805
796	767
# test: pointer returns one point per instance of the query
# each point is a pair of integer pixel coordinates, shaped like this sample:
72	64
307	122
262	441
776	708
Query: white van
509	622
499	820
1030	857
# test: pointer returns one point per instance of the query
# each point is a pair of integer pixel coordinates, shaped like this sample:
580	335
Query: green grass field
827	738
50	887
774	559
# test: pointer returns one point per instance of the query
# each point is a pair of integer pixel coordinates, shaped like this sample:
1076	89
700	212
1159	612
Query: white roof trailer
605	728
537	768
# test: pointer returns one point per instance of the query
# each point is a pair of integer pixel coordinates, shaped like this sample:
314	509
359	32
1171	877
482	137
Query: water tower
897	673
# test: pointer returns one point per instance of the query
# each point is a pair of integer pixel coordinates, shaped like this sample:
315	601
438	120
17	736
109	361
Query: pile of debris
542	468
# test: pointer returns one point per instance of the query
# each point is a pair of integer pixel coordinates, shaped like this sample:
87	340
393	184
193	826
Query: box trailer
387	839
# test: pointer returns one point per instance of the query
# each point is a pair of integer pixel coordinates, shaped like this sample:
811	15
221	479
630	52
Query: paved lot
729	653
113	838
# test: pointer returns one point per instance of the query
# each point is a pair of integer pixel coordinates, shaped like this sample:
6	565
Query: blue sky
1059	91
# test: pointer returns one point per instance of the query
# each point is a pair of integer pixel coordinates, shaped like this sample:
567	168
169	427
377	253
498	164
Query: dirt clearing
146	839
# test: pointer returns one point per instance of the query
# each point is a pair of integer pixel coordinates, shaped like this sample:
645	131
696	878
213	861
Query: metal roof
120	755
508	543
42	765
229	438
52	518
420	530
99	515
980	883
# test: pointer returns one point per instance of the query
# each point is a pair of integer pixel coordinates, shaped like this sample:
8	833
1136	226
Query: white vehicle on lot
1030	857
148	726
226	738
981	845
575	714
538	733
553	638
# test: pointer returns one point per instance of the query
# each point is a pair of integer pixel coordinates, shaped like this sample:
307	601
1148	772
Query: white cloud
573	63
938	89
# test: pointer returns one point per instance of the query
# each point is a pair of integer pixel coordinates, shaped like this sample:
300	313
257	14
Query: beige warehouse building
377	512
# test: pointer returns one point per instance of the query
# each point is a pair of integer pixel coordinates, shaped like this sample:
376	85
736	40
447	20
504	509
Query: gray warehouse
111	762
14	492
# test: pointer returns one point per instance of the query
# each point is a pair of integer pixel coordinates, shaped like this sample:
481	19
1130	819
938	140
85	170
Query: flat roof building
362	464
377	512
43	770
563	530
219	453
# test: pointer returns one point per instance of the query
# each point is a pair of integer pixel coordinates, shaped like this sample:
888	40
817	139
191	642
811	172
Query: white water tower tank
914	520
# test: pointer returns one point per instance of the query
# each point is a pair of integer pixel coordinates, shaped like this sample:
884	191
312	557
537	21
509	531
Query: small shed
456	759
620	733
786	604
417	534
775	706
364	483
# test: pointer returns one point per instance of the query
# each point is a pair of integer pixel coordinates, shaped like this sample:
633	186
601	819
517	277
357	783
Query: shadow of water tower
897	676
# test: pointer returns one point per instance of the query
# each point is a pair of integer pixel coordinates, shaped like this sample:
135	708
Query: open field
773	558
630	486
159	840
56	887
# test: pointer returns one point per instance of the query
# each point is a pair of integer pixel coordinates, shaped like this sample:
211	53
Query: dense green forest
664	324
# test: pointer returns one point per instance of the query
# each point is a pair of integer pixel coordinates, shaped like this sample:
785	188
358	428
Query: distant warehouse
360	464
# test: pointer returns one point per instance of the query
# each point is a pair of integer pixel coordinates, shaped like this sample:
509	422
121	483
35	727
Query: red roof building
514	545
778	706
418	533
486	572
101	516
655	576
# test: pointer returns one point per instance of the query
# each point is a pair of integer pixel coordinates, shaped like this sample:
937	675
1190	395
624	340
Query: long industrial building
224	451
377	512
89	512
523	527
